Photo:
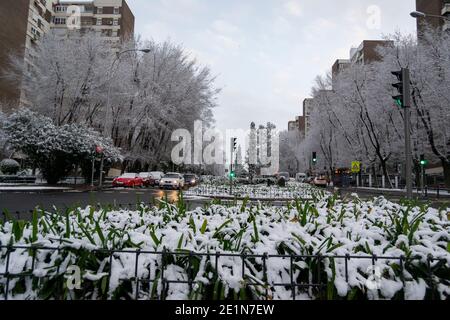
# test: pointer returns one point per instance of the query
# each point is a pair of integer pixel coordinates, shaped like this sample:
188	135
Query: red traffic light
98	149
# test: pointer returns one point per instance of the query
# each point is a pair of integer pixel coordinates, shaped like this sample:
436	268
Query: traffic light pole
407	117
231	171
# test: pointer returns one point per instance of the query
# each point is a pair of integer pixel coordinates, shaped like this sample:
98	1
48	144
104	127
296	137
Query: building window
100	10
60	9
116	22
99	22
116	10
59	21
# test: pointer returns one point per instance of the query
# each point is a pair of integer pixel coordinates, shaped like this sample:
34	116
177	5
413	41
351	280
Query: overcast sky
266	53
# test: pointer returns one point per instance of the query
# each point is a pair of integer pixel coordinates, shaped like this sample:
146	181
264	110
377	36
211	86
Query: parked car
320	181
146	178
129	180
155	178
172	180
284	175
190	179
301	177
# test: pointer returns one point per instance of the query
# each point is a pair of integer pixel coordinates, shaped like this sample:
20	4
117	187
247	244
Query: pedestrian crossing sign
356	167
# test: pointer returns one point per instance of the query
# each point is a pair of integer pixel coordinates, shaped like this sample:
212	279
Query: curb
246	198
38	191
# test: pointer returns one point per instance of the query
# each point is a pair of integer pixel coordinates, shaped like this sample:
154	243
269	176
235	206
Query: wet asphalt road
22	203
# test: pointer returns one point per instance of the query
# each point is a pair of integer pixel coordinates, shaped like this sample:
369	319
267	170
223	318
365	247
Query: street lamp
419	14
108	99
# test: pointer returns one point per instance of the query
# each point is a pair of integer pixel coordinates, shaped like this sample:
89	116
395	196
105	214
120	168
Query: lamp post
419	14
108	100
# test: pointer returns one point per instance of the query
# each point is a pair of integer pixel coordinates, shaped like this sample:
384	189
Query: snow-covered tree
55	149
136	99
356	119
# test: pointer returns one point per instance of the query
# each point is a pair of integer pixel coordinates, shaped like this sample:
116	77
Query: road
20	204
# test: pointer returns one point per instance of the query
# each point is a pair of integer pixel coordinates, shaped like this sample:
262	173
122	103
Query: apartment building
23	24
308	105
112	19
433	7
297	126
365	53
339	66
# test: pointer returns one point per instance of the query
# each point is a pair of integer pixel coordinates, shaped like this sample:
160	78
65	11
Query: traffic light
423	162
232	174
234	143
314	157
399	86
402	99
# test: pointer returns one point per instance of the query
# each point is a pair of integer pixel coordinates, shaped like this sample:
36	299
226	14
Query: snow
30	188
293	190
332	227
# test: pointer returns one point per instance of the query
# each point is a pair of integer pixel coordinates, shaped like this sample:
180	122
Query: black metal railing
317	278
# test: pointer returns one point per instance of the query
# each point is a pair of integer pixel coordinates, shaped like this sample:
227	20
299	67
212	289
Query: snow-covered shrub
9	166
55	149
292	190
330	227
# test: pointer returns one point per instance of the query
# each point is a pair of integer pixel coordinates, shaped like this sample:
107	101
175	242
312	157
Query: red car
129	180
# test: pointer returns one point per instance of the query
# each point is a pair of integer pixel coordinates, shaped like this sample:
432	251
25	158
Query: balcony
446	8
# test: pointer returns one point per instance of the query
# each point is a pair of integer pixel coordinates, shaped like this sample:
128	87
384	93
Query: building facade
12	41
308	105
432	7
367	51
112	19
24	22
297	126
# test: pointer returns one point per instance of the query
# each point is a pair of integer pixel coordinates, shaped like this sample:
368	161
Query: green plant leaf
203	228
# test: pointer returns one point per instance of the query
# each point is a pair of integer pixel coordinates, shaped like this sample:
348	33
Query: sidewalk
42	188
32	188
398	192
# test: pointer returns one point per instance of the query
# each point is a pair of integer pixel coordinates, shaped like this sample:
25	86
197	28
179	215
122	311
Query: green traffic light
399	102
423	162
232	175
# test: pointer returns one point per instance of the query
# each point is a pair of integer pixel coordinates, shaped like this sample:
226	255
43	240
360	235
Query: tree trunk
386	174
446	166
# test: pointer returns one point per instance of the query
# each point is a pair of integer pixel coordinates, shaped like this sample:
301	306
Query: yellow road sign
356	167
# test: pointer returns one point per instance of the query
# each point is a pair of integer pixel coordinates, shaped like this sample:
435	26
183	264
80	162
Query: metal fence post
291	269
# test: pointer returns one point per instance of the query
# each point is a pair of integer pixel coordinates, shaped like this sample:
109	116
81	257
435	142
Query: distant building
367	51
339	66
308	105
297	126
112	19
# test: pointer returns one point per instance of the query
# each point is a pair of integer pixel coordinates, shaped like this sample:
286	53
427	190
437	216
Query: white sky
266	53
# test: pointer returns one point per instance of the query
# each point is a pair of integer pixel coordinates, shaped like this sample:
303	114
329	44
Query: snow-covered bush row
331	227
9	166
293	190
